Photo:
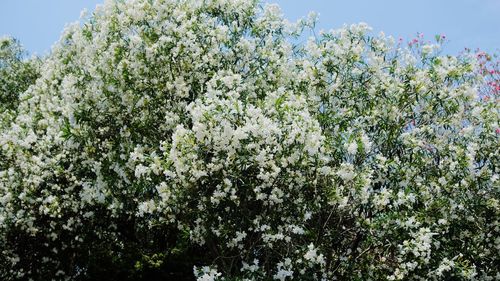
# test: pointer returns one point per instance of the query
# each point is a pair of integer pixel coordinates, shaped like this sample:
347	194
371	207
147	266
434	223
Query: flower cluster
170	137
489	67
16	75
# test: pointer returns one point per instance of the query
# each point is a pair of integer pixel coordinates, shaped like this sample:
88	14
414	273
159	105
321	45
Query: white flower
346	172
312	255
352	148
206	274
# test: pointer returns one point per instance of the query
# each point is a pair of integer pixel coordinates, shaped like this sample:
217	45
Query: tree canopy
183	140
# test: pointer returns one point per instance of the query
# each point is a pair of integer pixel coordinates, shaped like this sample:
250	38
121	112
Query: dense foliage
16	75
165	137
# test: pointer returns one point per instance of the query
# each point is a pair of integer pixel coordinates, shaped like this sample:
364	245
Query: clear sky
466	23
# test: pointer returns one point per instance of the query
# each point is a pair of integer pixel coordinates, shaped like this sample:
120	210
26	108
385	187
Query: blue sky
466	23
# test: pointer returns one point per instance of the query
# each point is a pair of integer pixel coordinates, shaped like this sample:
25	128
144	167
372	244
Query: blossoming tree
165	137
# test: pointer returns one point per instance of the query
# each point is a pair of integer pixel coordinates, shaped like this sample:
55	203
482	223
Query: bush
16	75
166	137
